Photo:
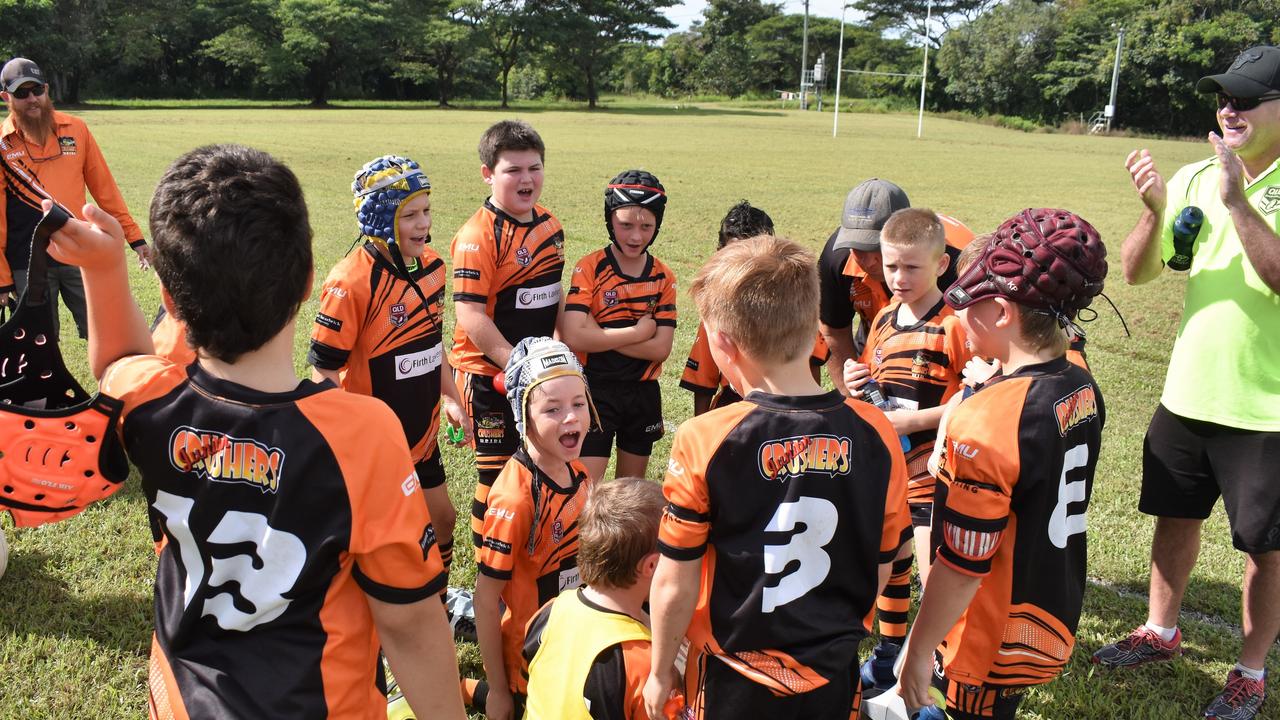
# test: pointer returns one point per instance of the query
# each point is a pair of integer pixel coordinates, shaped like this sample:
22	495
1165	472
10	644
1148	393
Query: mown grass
75	606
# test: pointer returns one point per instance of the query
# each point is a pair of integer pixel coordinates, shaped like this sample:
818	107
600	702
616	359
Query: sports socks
894	604
1250	672
1166	634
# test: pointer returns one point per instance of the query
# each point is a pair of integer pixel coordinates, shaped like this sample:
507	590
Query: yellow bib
574	636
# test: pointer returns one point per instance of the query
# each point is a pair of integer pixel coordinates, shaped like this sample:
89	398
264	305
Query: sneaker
1240	700
461	613
1143	645
877	671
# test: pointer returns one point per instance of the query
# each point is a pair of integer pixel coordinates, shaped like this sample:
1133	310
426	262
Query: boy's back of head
970	253
618	528
232	246
509	136
744	221
763	293
915	227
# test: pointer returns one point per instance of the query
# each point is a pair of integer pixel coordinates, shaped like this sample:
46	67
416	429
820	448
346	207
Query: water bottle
1185	229
874	394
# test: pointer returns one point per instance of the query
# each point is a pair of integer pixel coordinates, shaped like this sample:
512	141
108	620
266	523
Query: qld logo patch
398	314
1075	409
610	298
523	257
222	458
786	458
1270	201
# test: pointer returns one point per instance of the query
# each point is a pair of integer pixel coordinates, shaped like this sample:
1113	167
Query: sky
690	10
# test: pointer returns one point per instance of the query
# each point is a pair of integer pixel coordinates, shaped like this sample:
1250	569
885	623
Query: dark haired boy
291	535
620	317
507	262
588	649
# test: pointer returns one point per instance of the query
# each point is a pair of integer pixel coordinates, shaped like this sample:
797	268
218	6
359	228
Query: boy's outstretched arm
116	326
419	645
673	597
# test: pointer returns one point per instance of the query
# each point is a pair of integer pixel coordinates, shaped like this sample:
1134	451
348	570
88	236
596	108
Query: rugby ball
887	705
4	553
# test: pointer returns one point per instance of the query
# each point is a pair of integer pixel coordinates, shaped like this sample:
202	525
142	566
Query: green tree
989	65
910	15
435	48
584	35
67	38
505	27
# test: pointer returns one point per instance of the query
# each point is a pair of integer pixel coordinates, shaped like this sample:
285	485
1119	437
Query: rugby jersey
373	329
702	375
1011	506
529	539
791	504
514	270
274	515
169	336
614	299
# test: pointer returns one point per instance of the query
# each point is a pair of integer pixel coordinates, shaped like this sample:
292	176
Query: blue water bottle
1186	227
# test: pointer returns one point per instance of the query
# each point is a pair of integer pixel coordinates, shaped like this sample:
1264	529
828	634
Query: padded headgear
1046	259
639	188
534	361
381	187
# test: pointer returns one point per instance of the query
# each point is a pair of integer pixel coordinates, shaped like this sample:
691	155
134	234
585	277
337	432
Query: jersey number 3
1061	525
250	565
819	518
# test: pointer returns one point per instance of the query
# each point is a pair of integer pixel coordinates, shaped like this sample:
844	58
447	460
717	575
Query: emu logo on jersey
610	298
222	458
786	458
1075	409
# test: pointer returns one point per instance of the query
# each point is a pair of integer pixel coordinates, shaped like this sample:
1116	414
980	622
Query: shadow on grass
37	603
672	109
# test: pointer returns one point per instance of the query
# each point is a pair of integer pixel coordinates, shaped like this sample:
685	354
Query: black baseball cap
866	209
18	72
1255	72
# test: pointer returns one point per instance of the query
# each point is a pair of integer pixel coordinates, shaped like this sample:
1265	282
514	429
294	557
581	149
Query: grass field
75	605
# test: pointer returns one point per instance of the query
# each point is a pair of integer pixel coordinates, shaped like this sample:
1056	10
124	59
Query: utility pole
1115	81
804	59
835	116
924	69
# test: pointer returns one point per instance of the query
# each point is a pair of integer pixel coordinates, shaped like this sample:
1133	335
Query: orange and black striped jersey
529	539
373	329
613	299
1011	506
513	269
792	504
276	516
702	375
919	365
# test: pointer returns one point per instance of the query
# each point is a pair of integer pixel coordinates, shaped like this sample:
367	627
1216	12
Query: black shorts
1187	464
725	693
921	514
430	471
977	702
495	425
630	410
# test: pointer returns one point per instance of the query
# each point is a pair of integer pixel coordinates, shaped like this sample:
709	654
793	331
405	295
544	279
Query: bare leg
1261	611
922	553
631	465
1174	551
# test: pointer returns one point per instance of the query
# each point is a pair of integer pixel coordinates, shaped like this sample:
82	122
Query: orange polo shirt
66	166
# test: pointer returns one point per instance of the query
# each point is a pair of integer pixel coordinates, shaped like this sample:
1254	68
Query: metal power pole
804	59
835	116
1115	81
924	68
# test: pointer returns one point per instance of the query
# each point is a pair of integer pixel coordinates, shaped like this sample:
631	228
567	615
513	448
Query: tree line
1041	61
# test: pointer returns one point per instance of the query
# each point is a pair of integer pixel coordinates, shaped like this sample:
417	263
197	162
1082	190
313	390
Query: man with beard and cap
1216	431
58	152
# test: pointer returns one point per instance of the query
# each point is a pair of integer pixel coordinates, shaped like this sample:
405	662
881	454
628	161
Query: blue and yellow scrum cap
380	188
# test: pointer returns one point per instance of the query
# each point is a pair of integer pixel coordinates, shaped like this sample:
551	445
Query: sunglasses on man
22	92
1245	104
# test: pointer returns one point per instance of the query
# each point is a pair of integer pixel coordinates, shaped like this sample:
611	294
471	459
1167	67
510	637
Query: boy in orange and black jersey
915	352
620	317
1007	586
528	550
701	375
784	510
507	262
380	327
291	538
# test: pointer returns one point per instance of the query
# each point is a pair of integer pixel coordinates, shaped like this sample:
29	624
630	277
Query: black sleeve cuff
327	358
398	596
135	244
469	297
677	553
695	388
491	572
